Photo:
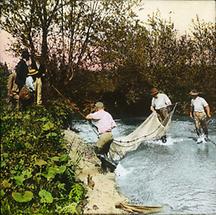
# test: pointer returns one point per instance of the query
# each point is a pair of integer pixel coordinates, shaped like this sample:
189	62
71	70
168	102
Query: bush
36	173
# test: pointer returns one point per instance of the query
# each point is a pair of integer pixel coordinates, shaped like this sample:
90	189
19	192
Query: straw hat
194	93
99	105
32	72
154	91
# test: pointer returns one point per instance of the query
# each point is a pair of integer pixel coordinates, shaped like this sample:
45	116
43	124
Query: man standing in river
199	112
104	123
159	104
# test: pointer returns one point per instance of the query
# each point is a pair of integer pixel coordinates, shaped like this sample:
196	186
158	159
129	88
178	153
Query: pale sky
181	11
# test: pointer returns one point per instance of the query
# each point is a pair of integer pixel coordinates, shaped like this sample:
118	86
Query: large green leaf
46	197
22	197
53	170
21	178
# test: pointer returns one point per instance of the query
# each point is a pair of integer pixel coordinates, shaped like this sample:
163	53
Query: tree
30	22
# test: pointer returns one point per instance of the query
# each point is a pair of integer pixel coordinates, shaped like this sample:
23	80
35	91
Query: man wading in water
160	103
199	112
104	123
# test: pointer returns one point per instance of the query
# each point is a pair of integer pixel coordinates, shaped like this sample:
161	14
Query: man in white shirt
30	80
28	99
159	103
104	123
199	112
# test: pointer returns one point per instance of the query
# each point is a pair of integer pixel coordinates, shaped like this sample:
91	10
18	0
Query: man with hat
199	112
159	104
104	123
27	92
30	79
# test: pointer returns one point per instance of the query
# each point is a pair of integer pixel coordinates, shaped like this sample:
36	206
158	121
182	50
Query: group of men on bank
160	104
24	83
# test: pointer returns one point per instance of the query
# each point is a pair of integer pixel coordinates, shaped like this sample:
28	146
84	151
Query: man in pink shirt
104	123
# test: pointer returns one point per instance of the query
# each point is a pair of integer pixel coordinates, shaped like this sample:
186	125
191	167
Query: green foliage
77	193
60	112
22	197
19	179
28	130
69	209
46	197
35	165
53	171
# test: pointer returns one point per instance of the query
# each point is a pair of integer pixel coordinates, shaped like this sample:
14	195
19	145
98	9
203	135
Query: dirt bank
102	193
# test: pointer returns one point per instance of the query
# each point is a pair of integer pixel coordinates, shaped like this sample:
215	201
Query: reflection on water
180	175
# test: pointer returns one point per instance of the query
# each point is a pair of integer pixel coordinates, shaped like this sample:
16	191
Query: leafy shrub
37	176
61	112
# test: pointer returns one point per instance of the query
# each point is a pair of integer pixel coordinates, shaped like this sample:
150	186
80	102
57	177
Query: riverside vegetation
37	176
100	50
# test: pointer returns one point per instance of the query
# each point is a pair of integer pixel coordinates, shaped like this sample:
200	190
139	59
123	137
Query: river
180	174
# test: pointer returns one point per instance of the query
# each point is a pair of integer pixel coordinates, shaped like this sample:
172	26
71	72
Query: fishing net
150	129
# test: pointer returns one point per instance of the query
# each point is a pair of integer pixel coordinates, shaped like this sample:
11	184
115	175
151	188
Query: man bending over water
159	104
104	123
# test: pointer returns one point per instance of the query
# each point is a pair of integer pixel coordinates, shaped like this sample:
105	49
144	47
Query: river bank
102	195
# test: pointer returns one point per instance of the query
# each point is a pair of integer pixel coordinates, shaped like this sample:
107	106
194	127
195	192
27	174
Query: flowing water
179	175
